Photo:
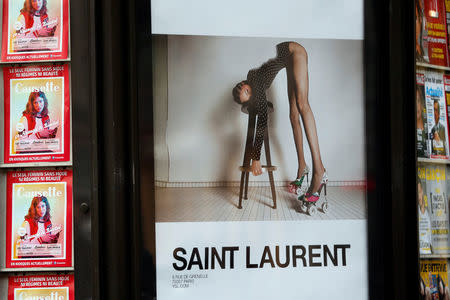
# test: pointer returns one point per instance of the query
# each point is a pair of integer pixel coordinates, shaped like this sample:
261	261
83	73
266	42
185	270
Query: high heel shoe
299	186
314	197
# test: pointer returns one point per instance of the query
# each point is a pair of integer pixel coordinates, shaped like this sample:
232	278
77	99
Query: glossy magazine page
437	119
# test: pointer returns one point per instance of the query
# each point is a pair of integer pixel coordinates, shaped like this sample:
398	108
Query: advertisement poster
39	219
35	30
424	214
436	114
434	279
37	114
41	287
210	81
423	140
436	31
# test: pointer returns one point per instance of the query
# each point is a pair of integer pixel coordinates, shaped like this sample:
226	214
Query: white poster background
318	19
331	282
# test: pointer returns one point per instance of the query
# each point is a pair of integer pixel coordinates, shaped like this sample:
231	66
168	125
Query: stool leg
246	163
241	188
247	175
272	187
269	163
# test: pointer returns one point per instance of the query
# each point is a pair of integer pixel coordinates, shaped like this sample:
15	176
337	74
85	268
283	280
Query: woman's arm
20	26
27	240
261	127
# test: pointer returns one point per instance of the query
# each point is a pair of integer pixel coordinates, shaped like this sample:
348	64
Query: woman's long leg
298	72
294	116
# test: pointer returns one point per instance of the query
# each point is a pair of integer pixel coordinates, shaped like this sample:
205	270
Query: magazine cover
436	188
41	287
421	118
35	30
37	114
424	213
435	15
421	33
39	219
436	114
434	279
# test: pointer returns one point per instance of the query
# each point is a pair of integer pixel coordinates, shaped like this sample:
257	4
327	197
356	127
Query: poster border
66	135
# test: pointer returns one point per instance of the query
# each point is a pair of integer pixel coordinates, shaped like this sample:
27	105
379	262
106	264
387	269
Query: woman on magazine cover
35	121
294	58
33	20
37	224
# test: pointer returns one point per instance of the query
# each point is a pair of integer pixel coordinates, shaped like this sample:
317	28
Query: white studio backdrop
202	131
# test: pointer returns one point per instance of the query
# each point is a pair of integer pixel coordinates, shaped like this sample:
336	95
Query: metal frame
391	160
84	132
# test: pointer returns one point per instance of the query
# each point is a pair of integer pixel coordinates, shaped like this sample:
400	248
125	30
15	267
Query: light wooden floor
220	204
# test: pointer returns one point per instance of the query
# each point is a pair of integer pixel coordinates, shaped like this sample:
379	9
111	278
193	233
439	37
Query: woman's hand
256	168
49	238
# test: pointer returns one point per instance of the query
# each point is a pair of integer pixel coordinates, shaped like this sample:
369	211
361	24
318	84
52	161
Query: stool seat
249	168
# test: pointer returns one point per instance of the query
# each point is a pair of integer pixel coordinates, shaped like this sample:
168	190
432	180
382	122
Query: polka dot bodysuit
260	80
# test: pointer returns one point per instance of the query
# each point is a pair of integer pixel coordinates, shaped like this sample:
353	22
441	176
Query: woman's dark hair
237	91
32	215
29	110
28	8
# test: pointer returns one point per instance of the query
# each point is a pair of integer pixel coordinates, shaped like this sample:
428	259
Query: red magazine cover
435	15
39	219
37	114
37	287
35	30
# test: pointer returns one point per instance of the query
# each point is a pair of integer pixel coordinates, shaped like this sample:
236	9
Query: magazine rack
246	168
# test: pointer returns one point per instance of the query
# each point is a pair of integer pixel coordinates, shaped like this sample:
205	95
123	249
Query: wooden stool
246	168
